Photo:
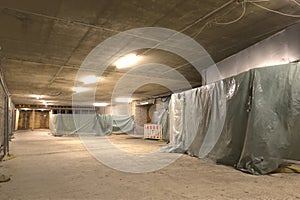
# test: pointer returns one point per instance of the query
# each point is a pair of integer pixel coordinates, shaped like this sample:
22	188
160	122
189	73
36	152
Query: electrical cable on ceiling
193	24
275	11
237	19
296	2
207	15
202	28
230	10
211	22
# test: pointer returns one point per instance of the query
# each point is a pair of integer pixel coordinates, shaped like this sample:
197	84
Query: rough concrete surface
43	43
48	167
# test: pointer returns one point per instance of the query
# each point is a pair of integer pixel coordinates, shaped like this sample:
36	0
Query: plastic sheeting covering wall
250	121
2	120
69	124
160	117
6	118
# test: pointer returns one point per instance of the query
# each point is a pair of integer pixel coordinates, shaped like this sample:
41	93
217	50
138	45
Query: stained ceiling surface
45	44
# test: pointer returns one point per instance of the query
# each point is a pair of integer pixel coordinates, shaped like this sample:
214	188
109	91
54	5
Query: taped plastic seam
260	126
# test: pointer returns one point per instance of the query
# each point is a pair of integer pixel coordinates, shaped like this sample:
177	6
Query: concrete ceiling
43	43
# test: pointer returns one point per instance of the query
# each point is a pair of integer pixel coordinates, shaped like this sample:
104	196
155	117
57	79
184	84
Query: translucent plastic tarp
122	124
254	128
69	124
160	117
2	121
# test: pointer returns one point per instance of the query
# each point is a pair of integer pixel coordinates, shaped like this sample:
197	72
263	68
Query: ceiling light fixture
123	100
90	79
144	103
36	96
80	89
100	104
127	61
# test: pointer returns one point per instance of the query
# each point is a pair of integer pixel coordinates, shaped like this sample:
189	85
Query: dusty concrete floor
48	167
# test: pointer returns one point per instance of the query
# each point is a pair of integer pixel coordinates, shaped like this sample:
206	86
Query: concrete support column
33	120
50	117
17	119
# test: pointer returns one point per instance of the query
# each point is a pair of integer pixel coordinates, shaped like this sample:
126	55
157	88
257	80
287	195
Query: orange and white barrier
153	131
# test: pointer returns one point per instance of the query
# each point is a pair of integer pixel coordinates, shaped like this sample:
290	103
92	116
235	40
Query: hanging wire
213	21
191	25
237	19
206	16
275	11
202	28
230	10
244	3
296	2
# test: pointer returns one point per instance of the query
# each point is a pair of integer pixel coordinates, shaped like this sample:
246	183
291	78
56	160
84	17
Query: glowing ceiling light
127	61
123	100
80	89
100	104
36	96
90	79
144	103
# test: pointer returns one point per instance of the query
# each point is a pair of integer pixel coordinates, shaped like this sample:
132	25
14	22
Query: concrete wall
41	120
24	119
283	47
33	120
104	110
140	115
143	113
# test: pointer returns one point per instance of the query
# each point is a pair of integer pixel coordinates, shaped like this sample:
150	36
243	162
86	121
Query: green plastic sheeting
90	124
250	121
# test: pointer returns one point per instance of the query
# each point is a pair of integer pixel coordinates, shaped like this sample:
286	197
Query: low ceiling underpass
43	43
